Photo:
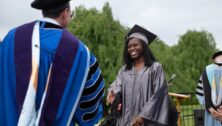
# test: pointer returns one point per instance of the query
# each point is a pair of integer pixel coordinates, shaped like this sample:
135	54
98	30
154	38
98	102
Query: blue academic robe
202	95
76	85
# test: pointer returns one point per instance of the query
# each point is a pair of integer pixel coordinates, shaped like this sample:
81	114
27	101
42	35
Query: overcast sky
167	18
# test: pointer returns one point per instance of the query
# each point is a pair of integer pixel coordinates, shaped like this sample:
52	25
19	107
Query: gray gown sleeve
117	83
156	108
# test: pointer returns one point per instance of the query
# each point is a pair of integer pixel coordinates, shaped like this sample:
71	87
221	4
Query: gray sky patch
168	19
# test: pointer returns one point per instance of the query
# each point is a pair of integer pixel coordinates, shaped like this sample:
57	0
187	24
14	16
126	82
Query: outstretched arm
115	87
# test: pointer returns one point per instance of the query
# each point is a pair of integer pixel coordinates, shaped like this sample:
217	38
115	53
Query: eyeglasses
219	64
72	14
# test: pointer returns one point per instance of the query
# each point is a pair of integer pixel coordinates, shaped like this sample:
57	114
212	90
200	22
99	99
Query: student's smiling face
135	49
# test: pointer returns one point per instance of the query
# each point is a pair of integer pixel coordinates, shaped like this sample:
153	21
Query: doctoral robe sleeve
200	92
89	110
5	48
1	86
156	108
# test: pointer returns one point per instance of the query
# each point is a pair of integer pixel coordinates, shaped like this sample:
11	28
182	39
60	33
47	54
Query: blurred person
209	91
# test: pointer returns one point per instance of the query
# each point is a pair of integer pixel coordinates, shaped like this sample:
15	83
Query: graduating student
48	76
209	91
141	82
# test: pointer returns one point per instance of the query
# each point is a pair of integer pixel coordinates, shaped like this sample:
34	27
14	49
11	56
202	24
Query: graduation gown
75	87
144	94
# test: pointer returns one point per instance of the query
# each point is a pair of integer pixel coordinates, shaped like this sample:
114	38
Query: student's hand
138	121
216	114
110	97
220	109
119	107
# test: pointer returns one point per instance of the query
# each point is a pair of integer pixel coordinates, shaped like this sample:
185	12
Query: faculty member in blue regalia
48	76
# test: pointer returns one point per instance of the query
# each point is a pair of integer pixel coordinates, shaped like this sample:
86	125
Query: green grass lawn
187	114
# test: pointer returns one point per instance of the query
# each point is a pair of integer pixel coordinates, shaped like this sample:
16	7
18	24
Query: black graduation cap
217	54
49	4
138	29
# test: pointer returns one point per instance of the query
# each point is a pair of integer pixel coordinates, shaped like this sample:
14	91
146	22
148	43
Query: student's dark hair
149	59
54	13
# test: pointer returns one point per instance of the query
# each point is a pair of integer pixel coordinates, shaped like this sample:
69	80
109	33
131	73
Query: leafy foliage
103	35
187	59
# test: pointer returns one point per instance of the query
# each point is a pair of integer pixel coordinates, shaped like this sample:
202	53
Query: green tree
162	52
191	55
103	35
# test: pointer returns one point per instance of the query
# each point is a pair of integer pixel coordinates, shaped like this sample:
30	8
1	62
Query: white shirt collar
50	20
